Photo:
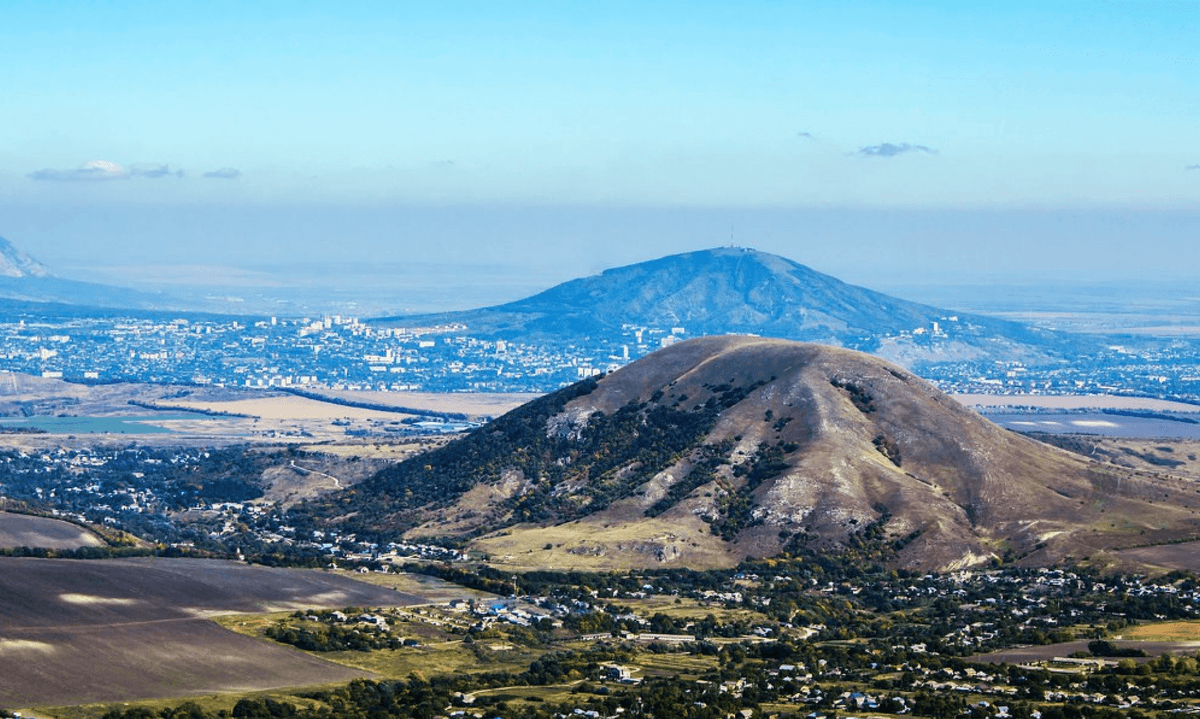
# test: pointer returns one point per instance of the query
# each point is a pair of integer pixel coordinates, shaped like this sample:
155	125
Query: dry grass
285	407
1165	557
481	404
385	449
1048	652
602	543
432	589
551	694
435	659
683	665
271	416
444	656
1165	632
1166	457
691	609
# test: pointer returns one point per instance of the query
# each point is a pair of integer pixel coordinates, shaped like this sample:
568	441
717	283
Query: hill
721	448
743	291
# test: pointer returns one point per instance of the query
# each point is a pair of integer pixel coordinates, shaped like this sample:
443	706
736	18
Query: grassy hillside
722	448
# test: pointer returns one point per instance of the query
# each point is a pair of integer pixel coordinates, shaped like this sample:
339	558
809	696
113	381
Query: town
346	353
775	639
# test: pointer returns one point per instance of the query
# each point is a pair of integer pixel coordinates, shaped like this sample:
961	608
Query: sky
884	142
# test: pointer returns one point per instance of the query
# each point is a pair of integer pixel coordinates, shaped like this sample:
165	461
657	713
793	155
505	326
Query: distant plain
208	414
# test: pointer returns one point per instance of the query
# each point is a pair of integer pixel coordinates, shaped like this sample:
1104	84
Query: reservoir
97	425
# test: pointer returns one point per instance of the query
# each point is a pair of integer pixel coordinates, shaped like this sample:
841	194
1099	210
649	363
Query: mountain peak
15	263
740	290
722	290
720	448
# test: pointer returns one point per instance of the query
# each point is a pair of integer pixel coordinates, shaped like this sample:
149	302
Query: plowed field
76	631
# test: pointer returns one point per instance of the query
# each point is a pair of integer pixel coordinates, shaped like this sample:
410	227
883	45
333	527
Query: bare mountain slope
725	447
27	285
15	263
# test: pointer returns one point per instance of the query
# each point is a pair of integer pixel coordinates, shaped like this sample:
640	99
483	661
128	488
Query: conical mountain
720	448
743	291
723	291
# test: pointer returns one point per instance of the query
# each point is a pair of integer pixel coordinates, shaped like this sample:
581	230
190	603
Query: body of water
97	425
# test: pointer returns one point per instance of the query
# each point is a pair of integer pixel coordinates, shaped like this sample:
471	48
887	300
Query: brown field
105	630
21	393
430	589
1047	652
270	415
20	530
665	665
167	658
1178	457
283	407
53	592
1166	557
472	404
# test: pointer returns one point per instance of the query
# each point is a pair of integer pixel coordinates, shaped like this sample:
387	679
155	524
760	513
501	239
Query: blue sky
125	121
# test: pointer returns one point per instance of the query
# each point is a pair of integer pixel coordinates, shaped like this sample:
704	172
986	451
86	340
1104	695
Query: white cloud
887	149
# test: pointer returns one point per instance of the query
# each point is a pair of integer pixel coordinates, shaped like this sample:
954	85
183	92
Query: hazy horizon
907	145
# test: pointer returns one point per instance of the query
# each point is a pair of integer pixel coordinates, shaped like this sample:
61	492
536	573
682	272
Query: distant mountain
743	291
720	448
15	263
25	280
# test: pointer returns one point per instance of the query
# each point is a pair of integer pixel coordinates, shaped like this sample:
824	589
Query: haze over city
514	146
